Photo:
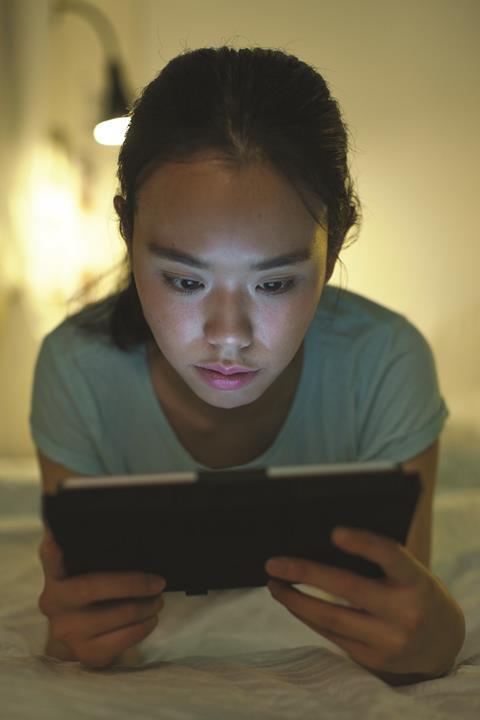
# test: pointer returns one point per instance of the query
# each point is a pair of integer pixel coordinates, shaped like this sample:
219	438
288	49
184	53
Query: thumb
51	557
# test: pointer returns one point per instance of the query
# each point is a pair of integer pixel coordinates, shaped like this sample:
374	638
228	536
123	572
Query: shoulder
73	356
348	318
369	342
83	338
348	313
385	368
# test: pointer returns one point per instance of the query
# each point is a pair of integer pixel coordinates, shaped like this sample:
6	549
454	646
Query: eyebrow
179	256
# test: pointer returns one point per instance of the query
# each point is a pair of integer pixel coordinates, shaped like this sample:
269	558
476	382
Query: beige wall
406	76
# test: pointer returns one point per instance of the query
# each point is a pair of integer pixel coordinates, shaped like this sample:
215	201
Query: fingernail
277	565
341	534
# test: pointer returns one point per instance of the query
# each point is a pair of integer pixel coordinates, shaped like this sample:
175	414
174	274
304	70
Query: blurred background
406	76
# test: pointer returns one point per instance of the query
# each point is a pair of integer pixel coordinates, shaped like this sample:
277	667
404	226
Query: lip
228	370
221	381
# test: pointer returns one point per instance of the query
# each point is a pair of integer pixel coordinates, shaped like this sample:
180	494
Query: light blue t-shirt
368	391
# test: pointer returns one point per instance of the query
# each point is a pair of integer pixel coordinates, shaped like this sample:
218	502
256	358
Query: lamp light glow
111	132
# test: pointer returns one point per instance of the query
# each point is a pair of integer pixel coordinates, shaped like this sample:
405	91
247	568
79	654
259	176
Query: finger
346	623
81	590
51	557
99	620
360	652
360	592
346	643
396	561
128	613
101	650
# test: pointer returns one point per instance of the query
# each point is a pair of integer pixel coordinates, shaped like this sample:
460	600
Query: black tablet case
216	533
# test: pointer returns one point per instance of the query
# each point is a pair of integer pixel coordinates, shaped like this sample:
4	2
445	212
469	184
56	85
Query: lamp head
113	125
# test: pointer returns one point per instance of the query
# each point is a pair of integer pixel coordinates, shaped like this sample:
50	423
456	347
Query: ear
119	205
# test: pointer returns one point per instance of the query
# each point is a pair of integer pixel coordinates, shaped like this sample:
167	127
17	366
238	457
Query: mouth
227	369
233	380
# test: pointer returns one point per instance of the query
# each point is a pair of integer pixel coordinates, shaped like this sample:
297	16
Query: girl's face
229	267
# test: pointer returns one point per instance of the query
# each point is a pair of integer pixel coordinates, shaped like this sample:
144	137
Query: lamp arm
97	19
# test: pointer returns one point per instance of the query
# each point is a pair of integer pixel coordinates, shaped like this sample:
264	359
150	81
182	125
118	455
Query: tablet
214	530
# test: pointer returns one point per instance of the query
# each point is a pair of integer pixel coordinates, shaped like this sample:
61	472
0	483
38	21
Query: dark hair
247	104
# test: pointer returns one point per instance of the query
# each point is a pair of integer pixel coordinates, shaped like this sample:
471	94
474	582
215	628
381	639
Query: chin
225	399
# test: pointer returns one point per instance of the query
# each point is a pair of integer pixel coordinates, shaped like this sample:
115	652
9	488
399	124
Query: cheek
161	312
282	325
179	324
174	322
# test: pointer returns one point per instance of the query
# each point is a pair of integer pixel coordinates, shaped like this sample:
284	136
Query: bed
233	654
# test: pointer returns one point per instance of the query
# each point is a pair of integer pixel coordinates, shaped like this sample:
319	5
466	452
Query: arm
392	625
419	537
52	474
420	534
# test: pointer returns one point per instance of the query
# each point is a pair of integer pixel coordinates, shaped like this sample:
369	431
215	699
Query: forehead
197	202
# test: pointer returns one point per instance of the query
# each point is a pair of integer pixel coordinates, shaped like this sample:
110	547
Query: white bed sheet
233	654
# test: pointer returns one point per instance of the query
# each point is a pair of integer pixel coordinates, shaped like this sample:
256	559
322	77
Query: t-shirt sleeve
64	420
400	409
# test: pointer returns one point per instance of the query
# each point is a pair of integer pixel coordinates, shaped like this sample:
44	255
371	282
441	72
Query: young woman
226	347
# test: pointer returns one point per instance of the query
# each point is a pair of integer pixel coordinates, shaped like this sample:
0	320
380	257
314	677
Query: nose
228	324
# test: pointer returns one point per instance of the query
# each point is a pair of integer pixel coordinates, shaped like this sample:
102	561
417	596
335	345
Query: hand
405	623
95	617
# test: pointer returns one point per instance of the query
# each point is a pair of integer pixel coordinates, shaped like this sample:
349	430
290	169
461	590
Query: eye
172	280
285	286
186	286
